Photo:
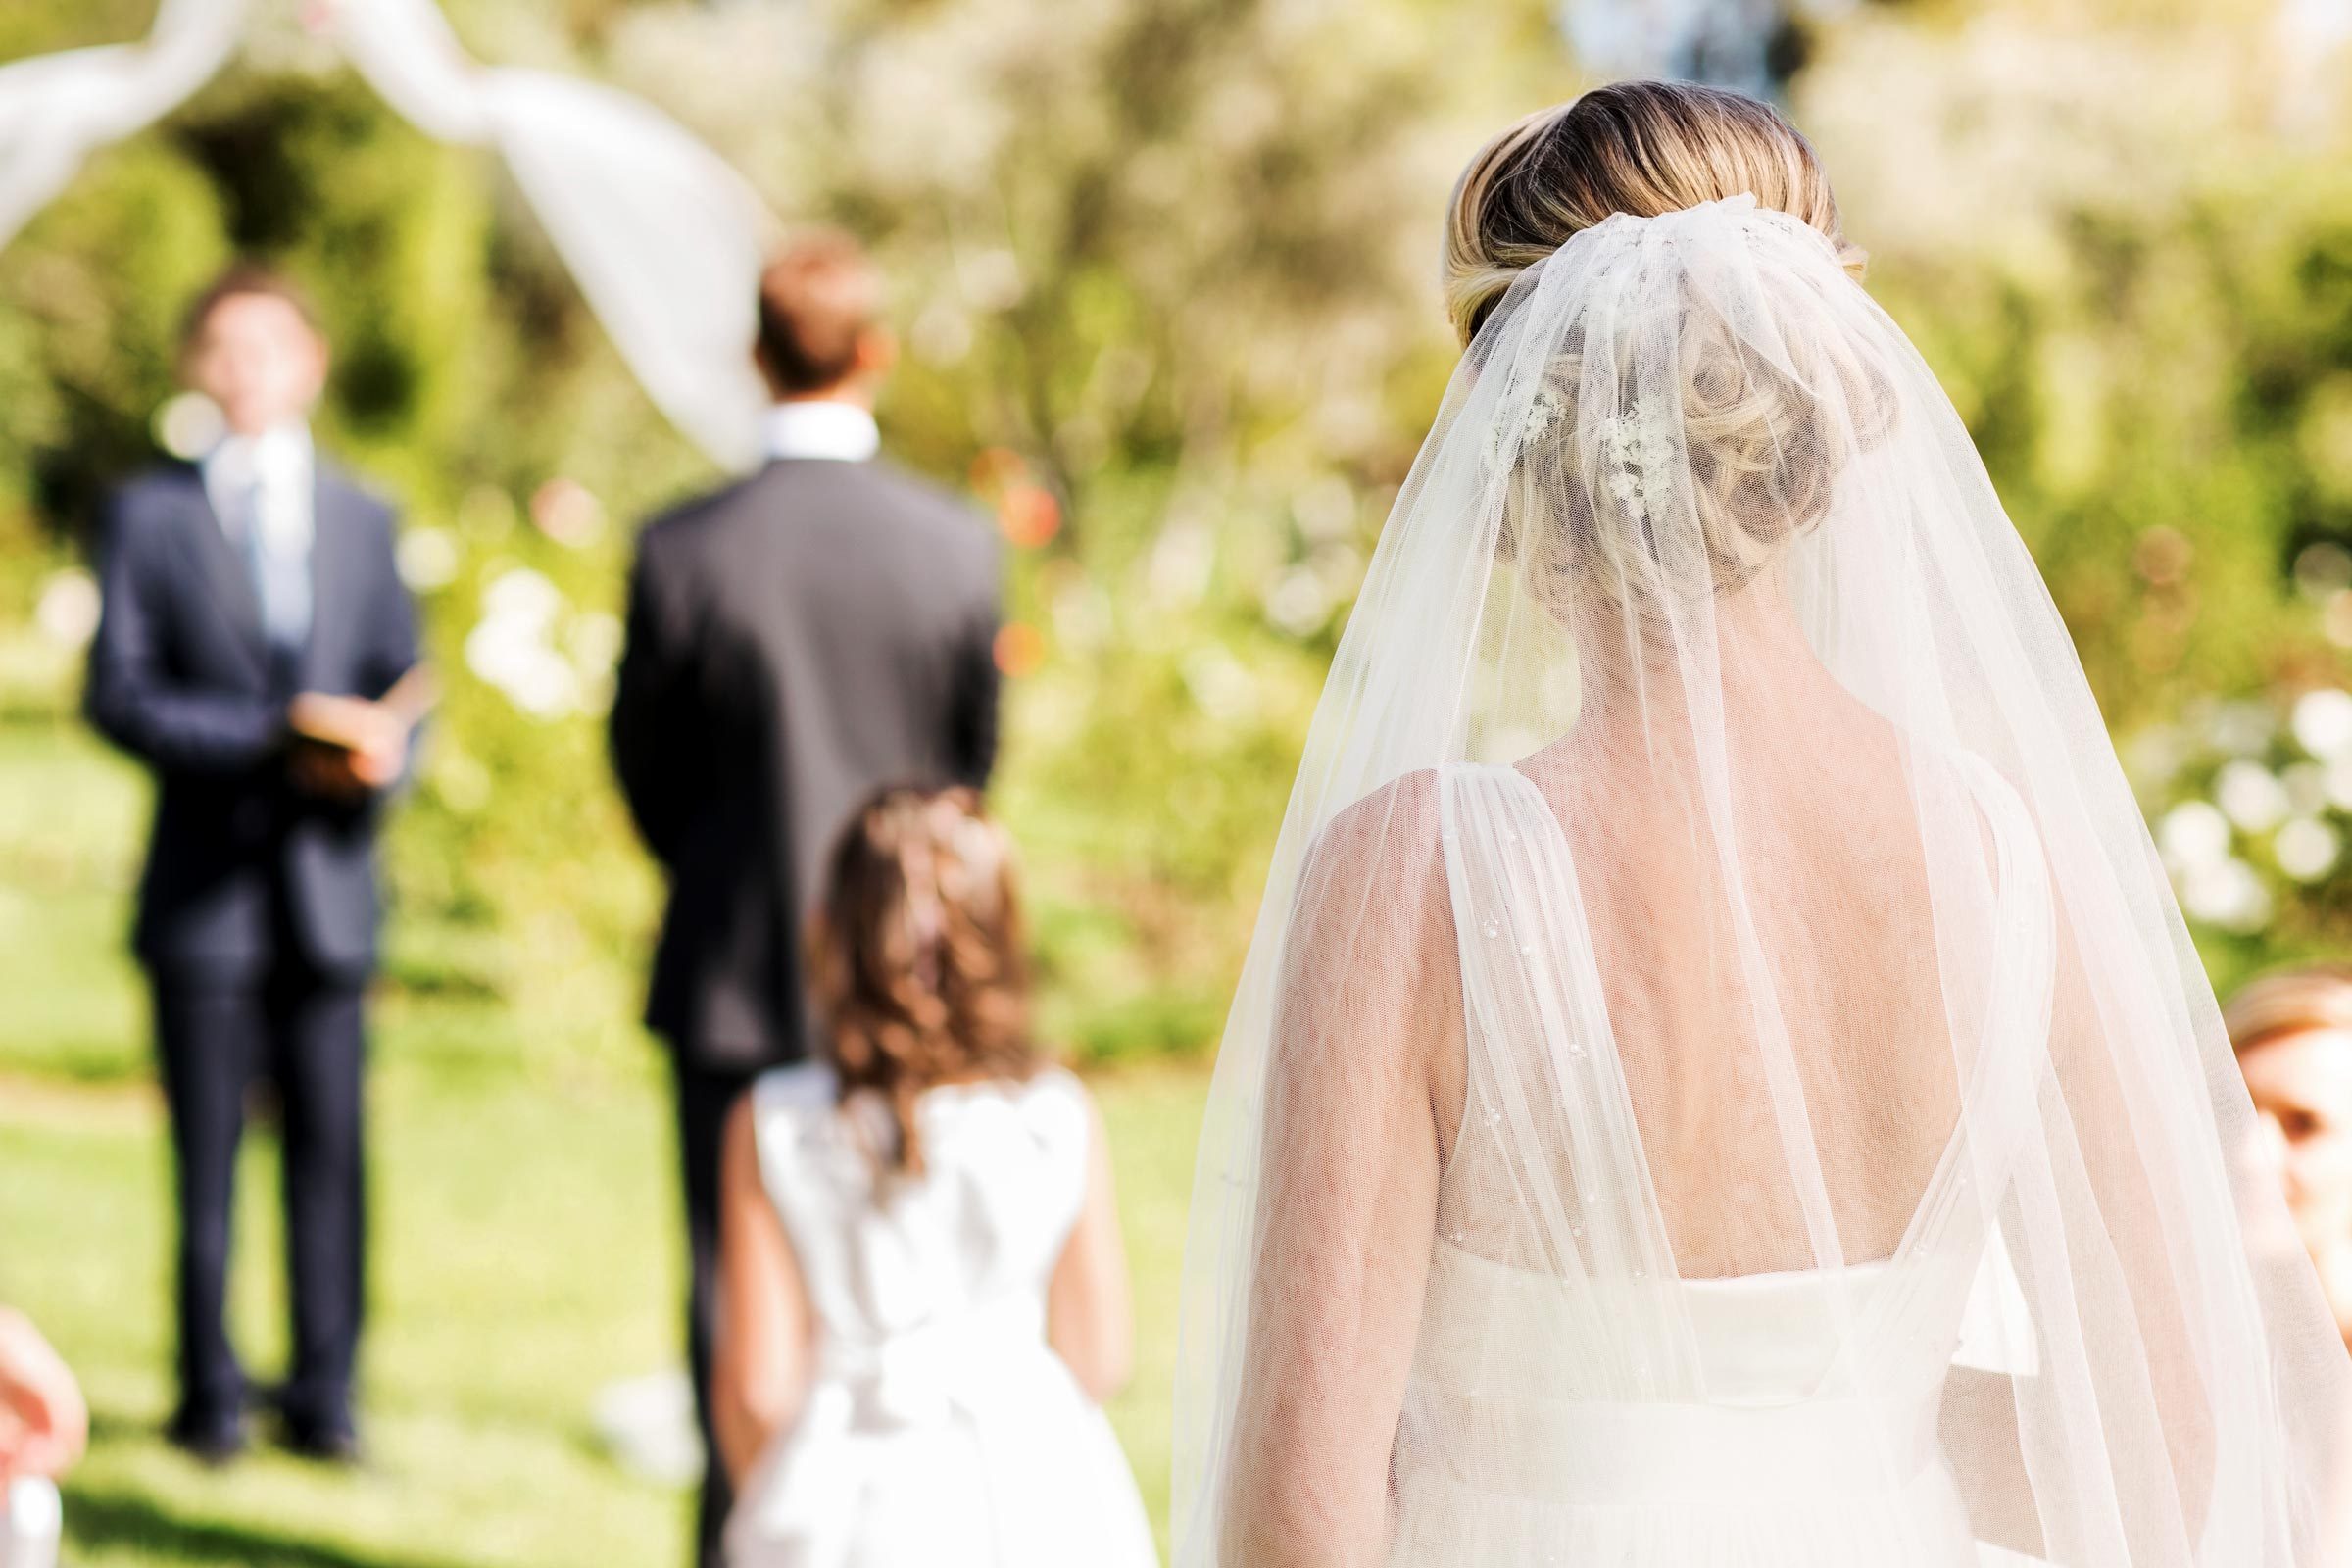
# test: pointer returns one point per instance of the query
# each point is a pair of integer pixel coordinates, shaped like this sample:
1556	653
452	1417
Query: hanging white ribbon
664	237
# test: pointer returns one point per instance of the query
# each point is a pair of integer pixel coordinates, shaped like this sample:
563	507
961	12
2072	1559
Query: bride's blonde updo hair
1641	148
1763	438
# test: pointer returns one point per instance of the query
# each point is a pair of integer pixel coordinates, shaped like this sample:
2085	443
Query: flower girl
923	1291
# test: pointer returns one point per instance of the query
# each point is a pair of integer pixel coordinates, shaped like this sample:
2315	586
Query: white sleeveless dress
1771	1469
940	1429
1604	1412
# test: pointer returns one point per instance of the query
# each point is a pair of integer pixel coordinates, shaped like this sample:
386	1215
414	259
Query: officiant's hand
362	748
43	1422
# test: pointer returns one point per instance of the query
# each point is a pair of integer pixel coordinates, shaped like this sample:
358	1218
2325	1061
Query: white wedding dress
1774	1420
941	1430
1721	1079
1777	1467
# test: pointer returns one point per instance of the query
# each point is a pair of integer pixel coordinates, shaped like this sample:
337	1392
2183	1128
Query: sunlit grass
524	1255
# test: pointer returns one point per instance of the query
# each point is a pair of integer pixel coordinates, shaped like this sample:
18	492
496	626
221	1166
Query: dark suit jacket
182	678
795	642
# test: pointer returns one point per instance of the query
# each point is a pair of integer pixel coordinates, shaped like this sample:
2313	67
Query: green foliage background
1175	256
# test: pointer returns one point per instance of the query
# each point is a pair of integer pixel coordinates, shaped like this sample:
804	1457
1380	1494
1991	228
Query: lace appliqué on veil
1636	450
1547	412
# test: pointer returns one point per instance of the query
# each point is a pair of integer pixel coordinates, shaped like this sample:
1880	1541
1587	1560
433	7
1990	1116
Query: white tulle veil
1708	861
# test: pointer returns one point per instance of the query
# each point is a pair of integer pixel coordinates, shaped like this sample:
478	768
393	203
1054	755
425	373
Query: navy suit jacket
794	641
241	861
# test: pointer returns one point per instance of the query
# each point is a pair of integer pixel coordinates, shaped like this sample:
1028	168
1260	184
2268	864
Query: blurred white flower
2193	835
2337	779
1220	684
595	640
1298	601
2323	722
2226	894
2251	796
189	425
943	333
542	683
2153	756
2306	849
2242	729
1325	509
1342	568
522	596
513	647
2306	785
427	558
991	279
68	610
1181	563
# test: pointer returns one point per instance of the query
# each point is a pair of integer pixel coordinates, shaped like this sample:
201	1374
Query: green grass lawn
525	1252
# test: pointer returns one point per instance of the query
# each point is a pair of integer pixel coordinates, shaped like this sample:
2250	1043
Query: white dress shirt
262	489
266	479
840	431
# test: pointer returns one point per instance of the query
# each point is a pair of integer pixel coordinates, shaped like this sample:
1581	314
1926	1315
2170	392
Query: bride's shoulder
1399	828
1369	989
1394	829
1374	874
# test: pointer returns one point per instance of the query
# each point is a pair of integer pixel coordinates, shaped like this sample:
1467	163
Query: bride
1721	1078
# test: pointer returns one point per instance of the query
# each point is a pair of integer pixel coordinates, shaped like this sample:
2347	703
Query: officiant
258	653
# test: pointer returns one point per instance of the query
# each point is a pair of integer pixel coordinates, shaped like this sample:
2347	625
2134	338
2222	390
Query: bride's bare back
1833	877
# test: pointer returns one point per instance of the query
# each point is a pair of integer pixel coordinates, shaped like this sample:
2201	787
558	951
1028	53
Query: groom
252	619
795	641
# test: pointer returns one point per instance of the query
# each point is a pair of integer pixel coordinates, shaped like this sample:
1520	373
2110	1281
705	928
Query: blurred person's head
1641	148
252	344
821	333
2293	1037
918	956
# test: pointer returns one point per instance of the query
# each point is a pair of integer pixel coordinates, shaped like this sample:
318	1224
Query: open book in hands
346	746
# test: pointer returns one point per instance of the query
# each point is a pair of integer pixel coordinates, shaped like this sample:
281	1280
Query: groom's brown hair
819	295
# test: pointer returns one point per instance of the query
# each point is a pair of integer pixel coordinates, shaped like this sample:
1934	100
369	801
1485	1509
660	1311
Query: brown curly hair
918	958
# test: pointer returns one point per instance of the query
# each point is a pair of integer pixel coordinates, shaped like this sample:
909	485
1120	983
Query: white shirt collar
281	462
841	431
284	451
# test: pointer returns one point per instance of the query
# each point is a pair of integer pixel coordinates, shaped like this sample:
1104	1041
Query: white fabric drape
56	109
664	237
